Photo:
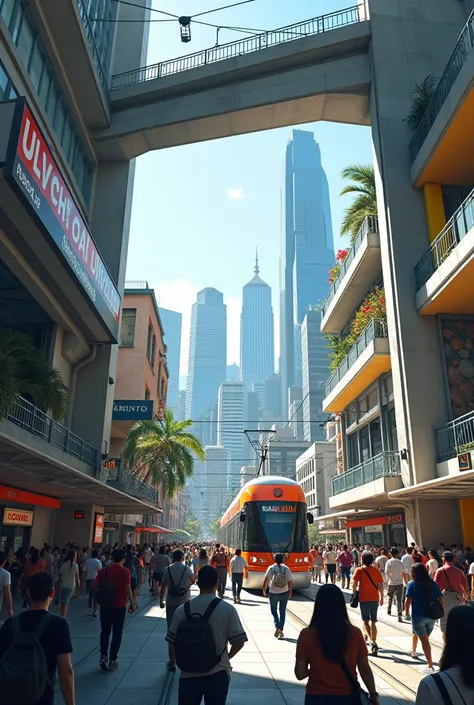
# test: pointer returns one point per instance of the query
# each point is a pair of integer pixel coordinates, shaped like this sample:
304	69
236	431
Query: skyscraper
315	371
230	428
257	357
172	324
207	352
307	248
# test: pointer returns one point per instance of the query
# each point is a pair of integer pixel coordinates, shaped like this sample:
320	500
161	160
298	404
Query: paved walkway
263	670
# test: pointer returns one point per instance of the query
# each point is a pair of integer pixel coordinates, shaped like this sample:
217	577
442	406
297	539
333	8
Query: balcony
374	477
455	437
361	267
446	271
73	33
441	149
32	419
368	358
129	483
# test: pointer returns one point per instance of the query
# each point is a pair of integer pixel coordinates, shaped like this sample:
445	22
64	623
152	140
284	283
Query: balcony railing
370	225
86	23
317	25
455	437
129	483
385	464
463	48
29	417
375	329
444	243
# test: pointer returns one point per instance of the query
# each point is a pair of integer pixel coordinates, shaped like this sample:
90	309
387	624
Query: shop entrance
14	537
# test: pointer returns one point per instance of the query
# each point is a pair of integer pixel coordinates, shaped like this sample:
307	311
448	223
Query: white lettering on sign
18	517
278	508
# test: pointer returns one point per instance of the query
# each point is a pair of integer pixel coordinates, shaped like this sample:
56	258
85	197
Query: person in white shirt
434	563
278	583
237	571
5	582
455	681
92	566
330	563
395	575
407	560
69	577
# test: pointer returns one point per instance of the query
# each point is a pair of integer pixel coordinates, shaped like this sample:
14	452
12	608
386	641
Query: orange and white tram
269	516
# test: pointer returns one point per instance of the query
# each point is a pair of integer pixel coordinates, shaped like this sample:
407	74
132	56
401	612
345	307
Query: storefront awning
460	486
152	530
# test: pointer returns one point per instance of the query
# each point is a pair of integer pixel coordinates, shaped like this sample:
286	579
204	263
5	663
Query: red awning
152	530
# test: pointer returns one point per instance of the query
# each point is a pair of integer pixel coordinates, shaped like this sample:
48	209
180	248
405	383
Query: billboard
132	409
34	174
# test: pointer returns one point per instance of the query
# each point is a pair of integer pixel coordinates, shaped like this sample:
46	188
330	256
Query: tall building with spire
307	248
257	358
207	352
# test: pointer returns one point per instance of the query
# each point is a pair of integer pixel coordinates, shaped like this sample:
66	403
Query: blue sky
200	210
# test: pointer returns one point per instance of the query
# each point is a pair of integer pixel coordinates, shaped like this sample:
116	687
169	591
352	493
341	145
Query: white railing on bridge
256	42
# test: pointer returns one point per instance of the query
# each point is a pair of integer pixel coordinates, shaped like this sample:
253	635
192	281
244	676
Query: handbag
435	609
359	696
354	601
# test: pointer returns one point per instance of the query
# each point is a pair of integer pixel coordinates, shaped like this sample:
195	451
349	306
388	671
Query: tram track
167	690
404	690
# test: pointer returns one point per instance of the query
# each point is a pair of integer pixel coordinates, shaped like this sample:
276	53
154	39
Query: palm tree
365	203
161	453
24	371
422	95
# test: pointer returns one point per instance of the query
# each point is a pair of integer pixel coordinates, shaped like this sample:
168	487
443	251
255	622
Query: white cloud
180	296
236	193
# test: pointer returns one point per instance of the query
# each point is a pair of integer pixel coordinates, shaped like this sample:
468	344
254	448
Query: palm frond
422	95
365	201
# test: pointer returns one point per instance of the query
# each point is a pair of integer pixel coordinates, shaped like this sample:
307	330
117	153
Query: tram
269	516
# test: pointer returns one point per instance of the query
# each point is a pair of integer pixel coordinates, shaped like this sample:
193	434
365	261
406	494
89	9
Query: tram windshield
276	527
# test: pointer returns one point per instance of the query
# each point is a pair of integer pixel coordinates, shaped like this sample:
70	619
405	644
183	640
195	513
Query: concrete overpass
315	70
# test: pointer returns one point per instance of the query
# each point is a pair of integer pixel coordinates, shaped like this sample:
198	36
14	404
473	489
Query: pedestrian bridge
314	70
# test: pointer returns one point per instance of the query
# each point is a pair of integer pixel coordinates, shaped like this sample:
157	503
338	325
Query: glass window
7	11
24	41
276	527
149	342
36	67
59	115
352	450
147	394
364	443
43	91
4	81
376	437
15	22
66	138
129	316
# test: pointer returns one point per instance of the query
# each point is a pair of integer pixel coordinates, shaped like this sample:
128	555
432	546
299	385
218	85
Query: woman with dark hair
69	580
33	565
456	674
202	560
330	651
159	562
421	592
434	562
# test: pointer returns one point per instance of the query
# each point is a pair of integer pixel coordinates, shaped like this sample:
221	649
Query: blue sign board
132	409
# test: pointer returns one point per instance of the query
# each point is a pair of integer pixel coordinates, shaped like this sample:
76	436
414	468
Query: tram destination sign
35	175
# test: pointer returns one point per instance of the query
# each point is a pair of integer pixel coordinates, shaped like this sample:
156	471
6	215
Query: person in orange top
329	652
369	581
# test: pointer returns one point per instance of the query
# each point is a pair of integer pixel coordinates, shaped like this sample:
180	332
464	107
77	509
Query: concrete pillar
434	207
466	511
410	39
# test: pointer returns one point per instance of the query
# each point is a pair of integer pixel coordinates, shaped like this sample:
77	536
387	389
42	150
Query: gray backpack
23	666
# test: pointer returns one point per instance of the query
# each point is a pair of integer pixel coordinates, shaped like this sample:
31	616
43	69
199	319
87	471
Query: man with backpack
198	637
33	646
112	588
279	582
177	579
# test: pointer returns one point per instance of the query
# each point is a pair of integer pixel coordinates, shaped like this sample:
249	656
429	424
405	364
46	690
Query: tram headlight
253	559
306	559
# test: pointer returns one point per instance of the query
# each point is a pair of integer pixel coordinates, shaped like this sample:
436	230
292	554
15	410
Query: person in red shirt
346	561
112	618
453	584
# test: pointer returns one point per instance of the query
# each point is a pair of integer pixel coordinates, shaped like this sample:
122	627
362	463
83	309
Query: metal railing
385	464
129	483
375	329
370	225
463	48
29	417
86	23
317	25
455	437
136	285
447	240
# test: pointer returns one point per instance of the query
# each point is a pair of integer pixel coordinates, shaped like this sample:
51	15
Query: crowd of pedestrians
205	632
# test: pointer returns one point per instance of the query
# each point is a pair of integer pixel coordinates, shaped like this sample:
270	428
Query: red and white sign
18	517
34	171
99	528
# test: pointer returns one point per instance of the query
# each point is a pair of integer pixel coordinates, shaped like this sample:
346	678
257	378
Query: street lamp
185	28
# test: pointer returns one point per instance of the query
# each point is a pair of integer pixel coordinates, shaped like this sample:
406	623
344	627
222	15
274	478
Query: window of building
147	394
35	59
129	316
7	91
153	351
151	346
